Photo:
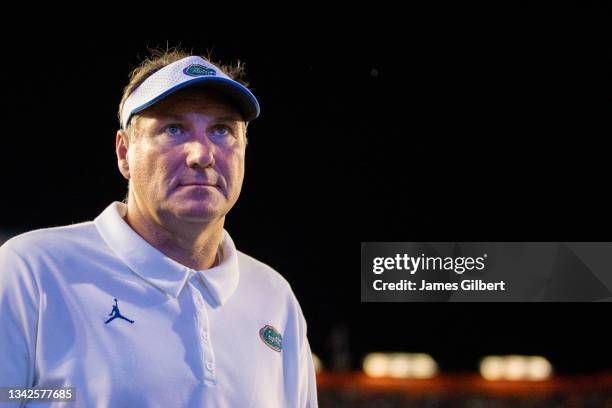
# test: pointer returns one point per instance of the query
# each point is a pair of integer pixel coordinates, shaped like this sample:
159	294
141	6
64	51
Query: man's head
183	153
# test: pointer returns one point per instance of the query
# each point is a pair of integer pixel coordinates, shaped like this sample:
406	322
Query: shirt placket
203	329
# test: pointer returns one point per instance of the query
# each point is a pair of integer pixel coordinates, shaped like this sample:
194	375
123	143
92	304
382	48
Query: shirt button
204	335
209	366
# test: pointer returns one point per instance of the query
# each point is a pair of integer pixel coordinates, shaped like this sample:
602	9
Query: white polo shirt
176	337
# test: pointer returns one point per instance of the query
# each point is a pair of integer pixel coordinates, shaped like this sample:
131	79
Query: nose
200	153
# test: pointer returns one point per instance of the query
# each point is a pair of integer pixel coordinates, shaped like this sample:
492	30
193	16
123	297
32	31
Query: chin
197	212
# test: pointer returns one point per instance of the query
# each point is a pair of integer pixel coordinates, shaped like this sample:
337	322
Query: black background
476	132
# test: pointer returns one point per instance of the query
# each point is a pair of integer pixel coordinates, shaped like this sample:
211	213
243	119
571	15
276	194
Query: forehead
195	100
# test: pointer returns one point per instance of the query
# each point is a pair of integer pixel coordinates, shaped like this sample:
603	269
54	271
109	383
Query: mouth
197	185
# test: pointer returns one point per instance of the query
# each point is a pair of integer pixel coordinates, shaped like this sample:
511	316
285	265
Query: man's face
185	158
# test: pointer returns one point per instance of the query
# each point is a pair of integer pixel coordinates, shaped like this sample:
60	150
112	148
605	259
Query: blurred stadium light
318	365
515	368
400	365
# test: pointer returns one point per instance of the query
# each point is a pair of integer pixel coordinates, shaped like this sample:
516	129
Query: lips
213	181
197	184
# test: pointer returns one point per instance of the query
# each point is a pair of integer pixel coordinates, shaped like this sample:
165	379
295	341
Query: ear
246	139
121	148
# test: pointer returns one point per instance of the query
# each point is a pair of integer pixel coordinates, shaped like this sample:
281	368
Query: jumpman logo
115	313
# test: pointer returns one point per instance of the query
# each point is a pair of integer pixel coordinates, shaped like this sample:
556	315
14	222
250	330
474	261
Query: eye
173	130
221	131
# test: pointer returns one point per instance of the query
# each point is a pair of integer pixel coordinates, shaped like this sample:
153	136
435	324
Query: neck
190	244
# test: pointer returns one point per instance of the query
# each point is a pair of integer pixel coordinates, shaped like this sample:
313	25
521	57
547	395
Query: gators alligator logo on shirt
271	337
196	70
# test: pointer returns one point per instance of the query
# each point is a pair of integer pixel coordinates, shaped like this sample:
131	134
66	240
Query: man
200	323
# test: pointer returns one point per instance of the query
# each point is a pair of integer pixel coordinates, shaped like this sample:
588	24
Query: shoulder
262	283
269	284
261	274
37	250
50	240
25	258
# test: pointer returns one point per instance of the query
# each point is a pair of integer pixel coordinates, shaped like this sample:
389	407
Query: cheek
234	168
151	167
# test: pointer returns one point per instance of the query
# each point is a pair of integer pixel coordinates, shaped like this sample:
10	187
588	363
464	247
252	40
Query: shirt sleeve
19	305
308	386
300	379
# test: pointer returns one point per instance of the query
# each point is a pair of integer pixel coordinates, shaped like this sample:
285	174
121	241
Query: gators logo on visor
196	70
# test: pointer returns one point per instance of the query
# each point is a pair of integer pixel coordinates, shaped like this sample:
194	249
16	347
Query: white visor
183	73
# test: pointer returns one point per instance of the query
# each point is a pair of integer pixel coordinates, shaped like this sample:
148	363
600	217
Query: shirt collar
156	268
